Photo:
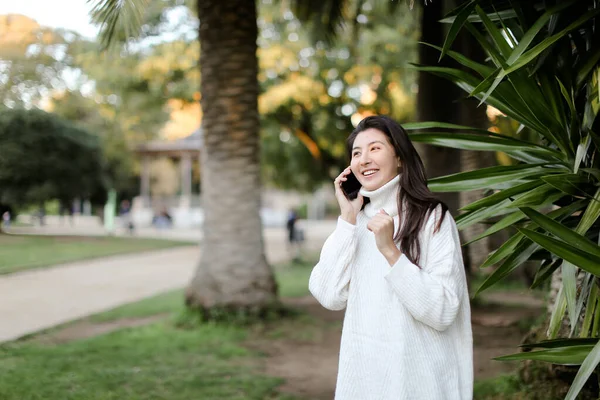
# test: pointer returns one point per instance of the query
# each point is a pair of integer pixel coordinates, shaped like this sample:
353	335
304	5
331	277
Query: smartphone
351	186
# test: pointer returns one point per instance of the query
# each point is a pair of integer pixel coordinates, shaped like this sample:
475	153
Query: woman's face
373	159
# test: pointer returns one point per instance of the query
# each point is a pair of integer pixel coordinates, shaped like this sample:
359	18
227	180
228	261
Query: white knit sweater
407	331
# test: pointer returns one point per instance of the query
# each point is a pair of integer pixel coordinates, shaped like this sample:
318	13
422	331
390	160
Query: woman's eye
354	154
374	148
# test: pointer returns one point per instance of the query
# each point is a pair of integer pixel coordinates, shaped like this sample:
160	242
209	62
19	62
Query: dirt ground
305	352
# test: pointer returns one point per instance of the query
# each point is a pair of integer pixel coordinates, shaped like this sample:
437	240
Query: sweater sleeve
433	294
330	278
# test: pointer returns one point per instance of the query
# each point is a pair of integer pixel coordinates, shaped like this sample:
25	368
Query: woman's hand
382	225
348	208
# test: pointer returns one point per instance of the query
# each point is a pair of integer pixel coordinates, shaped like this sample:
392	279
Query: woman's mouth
369	173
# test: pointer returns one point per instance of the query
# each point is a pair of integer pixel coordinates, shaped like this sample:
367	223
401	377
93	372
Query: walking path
31	301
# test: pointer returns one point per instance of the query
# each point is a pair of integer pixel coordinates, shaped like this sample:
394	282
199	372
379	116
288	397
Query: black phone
351	186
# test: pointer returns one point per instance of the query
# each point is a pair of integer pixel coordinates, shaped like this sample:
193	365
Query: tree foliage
44	157
314	93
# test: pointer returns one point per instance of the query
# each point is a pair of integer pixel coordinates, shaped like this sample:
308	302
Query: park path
31	301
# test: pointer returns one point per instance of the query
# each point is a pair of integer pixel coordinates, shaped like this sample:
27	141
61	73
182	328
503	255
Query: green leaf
567	183
557	343
468	219
494	32
486	177
504	223
568	97
582	297
571	355
590	311
558	312
518	149
467	82
521	254
530	55
516	216
595	172
541	22
481	69
504	14
569	276
591	62
587	368
559	230
457	25
592	105
492	87
582	149
535	196
545	272
504	250
486	83
582	259
411	126
502	195
590	215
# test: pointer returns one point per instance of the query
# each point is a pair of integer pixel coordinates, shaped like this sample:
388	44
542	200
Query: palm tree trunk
233	272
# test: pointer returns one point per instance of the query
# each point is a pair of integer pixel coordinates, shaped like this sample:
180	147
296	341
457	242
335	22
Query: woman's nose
365	159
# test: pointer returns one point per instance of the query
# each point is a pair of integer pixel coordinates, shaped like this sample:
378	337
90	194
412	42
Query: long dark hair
413	192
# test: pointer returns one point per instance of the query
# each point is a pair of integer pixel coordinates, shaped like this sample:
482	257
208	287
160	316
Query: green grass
22	252
177	358
158	361
293	277
163	303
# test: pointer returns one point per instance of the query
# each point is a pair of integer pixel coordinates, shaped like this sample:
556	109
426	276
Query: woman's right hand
348	208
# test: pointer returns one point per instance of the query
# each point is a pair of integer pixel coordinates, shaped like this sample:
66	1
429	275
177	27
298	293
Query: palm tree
233	272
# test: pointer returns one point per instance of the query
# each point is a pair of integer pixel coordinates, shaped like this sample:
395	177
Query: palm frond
326	17
117	18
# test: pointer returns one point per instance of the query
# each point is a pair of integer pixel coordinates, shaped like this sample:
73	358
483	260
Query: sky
69	14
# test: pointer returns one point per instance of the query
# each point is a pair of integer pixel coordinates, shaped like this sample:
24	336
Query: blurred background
166	173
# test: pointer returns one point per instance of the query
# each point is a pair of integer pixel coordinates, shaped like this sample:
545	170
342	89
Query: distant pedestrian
6	218
126	218
294	235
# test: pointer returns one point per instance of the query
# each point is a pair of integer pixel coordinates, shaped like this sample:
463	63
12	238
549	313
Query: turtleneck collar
385	197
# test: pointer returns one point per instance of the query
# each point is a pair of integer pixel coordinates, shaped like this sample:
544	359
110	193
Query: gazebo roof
192	143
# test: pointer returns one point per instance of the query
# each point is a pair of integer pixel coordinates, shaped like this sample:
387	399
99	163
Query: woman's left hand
382	225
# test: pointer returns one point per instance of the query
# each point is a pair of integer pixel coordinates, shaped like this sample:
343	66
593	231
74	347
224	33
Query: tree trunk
436	100
233	273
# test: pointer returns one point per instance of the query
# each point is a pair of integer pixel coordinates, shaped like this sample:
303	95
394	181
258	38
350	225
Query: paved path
34	300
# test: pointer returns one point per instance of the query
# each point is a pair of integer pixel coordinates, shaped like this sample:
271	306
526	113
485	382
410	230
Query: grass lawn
21	252
175	359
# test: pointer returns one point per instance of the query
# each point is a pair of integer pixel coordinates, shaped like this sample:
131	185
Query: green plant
542	71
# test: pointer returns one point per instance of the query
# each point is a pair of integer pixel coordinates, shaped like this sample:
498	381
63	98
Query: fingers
342	176
380	221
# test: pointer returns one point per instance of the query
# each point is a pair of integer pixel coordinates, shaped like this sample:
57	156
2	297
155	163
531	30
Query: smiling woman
394	262
374	160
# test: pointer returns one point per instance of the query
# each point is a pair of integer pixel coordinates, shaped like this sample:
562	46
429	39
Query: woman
394	262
